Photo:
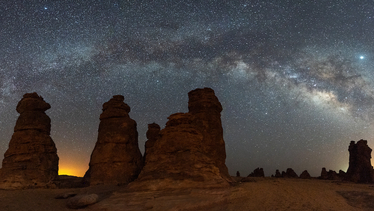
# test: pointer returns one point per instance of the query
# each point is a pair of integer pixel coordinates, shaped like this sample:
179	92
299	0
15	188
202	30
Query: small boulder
65	195
81	201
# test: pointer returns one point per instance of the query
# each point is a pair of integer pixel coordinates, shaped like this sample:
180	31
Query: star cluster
295	78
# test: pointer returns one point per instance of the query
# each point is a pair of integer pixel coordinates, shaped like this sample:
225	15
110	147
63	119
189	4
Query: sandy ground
259	194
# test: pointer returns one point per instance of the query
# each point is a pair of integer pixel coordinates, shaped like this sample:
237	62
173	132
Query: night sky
295	78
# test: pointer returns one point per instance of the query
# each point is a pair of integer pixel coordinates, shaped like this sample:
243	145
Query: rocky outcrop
258	172
360	168
324	174
190	151
305	175
116	158
277	173
290	173
331	175
237	174
31	159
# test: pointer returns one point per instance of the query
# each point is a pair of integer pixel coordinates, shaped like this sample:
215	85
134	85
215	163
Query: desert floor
257	194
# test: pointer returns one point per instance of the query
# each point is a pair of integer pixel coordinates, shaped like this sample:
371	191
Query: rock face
153	133
305	175
258	172
189	151
116	158
31	159
360	168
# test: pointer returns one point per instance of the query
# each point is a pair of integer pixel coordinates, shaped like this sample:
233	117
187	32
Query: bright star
45	8
362	57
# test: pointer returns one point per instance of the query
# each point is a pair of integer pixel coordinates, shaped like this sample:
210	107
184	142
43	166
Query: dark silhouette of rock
332	175
238	174
81	201
305	175
116	158
31	159
342	174
153	133
324	174
258	172
190	150
360	168
278	174
329	175
290	173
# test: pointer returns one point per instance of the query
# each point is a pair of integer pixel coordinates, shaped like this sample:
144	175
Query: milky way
295	79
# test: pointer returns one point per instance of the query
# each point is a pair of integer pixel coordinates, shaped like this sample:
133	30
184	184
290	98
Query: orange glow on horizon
71	172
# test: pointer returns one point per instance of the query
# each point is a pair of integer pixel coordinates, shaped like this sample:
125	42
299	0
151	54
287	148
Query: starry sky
295	78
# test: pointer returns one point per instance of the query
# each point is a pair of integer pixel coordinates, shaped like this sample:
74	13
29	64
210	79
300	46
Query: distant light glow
362	57
70	172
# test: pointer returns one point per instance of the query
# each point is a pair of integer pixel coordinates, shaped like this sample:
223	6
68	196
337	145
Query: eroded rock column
116	158
31	159
189	151
360	168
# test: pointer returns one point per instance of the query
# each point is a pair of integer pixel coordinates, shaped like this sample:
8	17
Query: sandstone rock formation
116	158
305	175
190	150
153	133
31	159
331	175
237	174
360	168
277	173
258	172
324	174
290	173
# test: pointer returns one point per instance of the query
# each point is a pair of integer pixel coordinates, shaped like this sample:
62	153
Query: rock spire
31	159
116	158
190	150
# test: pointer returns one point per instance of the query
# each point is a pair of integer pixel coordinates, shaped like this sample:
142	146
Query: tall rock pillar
116	158
31	159
360	168
189	152
206	108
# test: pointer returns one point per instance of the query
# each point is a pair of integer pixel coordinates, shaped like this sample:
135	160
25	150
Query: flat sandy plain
257	194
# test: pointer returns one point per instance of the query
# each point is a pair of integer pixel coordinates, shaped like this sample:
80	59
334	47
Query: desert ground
256	194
